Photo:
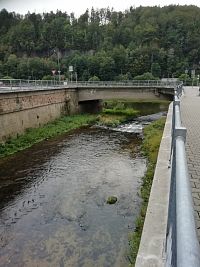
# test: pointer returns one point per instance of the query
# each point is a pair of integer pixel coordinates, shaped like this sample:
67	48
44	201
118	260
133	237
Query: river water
53	209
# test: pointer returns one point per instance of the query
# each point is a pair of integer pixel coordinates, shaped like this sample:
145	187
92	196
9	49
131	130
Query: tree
22	37
156	70
94	79
145	76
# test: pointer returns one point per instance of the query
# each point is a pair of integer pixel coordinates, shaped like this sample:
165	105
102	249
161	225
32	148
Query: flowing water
53	209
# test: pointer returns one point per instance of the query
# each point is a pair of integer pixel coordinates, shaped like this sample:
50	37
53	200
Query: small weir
53	209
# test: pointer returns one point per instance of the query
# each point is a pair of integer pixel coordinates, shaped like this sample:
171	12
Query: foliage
163	41
145	76
47	77
128	112
111	119
94	79
150	147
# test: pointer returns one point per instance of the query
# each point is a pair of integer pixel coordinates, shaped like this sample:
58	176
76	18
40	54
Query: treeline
101	44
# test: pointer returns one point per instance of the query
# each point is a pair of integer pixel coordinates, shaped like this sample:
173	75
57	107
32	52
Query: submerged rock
111	200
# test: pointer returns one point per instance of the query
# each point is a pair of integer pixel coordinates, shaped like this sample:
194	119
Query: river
53	209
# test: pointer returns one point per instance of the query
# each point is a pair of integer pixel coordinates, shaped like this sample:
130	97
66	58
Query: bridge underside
90	106
90	99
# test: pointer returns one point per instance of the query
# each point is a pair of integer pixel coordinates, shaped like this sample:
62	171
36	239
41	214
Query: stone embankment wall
22	110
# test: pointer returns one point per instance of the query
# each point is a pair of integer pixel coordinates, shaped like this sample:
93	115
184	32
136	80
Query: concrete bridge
28	104
88	91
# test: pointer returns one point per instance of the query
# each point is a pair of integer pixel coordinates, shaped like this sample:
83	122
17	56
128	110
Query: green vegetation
128	112
138	43
152	137
116	112
110	119
32	136
134	107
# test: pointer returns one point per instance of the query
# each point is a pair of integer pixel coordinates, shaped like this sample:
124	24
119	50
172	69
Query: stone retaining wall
22	110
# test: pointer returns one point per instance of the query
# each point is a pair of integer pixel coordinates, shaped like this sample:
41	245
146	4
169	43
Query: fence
182	243
19	84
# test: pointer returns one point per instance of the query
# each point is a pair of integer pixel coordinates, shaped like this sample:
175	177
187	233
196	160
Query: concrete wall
152	250
22	110
87	94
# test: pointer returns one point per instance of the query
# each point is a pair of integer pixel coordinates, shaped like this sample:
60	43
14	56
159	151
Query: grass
113	117
127	112
110	119
152	137
116	112
33	136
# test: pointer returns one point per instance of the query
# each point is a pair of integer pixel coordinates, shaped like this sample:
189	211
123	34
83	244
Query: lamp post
59	75
70	71
58	62
193	76
186	73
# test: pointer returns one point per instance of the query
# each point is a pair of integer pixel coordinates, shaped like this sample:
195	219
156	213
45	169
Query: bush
94	79
145	76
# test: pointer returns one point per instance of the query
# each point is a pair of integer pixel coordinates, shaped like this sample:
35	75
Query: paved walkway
190	114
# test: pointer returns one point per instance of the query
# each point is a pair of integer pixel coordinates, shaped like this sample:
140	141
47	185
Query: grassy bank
32	136
152	137
118	111
113	117
128	107
114	113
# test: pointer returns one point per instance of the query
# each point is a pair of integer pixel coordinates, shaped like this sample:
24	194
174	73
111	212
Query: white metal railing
182	242
22	85
135	83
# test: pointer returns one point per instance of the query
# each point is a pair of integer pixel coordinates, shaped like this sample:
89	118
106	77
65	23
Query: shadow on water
53	209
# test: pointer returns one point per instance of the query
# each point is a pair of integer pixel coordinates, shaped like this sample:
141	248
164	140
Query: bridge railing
182	242
16	84
135	83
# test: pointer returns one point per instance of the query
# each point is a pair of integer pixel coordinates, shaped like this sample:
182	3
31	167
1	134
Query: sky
80	6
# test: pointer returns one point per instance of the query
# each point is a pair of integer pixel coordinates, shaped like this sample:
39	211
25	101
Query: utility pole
58	62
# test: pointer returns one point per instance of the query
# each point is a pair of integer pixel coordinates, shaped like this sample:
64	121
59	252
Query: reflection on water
53	209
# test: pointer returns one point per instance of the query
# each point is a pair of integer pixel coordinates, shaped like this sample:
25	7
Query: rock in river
111	200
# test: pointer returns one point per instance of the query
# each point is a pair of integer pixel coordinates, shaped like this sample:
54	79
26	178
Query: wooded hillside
101	44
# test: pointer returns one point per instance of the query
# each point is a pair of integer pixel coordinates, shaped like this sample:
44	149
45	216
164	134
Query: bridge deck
190	113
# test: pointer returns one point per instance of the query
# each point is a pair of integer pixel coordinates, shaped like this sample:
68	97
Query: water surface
53	209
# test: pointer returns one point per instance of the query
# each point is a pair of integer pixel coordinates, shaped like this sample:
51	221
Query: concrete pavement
190	114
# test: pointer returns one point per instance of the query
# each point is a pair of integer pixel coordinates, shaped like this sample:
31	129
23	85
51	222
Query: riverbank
152	138
36	135
65	124
114	112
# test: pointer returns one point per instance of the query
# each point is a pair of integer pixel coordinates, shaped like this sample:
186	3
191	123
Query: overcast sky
79	6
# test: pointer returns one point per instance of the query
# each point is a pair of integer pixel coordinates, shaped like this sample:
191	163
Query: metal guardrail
19	84
182	243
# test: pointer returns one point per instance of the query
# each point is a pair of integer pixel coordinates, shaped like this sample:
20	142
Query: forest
102	44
